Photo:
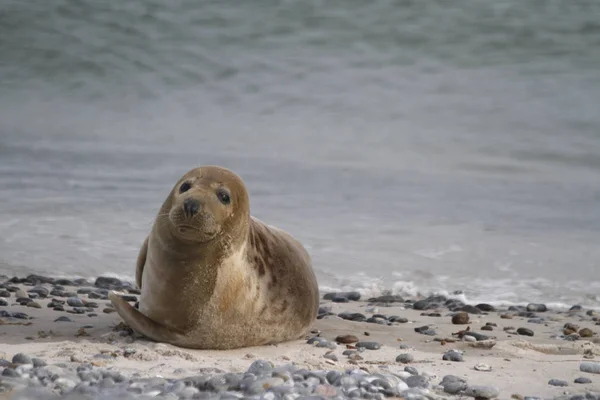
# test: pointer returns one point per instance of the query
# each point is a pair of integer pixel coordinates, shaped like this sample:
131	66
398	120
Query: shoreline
411	343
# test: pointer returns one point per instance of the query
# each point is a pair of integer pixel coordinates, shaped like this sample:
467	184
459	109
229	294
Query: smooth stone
34	304
21	358
387	299
484	392
460	318
536	321
576	307
331	356
411	370
536	307
40	291
345	339
354	296
398	319
10	373
38	362
429	303
3	302
352	316
405	358
4	293
63	319
586	332
425	330
452	355
583	380
590	367
75	302
321	342
485	307
454	387
368	345
417	381
525	331
333	377
85	290
340	300
106	282
470	309
260	367
557	382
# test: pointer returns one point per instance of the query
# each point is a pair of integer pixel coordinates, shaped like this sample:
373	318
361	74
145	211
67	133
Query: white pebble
469	338
482	367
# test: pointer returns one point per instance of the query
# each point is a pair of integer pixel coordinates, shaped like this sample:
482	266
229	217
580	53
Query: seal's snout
191	207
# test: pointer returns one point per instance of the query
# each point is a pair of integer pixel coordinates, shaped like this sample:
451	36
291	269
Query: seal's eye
185	186
223	196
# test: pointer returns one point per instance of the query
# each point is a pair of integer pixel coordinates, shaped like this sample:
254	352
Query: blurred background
413	146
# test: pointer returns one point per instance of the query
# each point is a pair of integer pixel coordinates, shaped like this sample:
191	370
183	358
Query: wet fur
254	286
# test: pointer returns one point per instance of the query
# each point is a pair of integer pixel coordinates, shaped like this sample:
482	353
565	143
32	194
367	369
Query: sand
520	365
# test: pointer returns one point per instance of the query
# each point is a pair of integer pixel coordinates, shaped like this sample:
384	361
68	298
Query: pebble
485	307
416	381
431	302
583	380
482	367
411	370
354	296
63	319
425	330
105	282
395	318
40	291
368	345
4	293
34	304
557	382
452	355
586	332
345	339
536	307
75	302
3	302
590	367
487	328
525	331
460	318
21	358
405	358
482	392
387	299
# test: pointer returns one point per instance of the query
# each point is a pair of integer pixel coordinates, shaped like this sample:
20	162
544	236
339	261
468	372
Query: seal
212	276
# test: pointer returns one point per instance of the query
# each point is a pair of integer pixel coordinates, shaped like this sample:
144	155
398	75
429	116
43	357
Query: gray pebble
416	381
485	392
452	355
583	380
368	345
557	382
411	370
454	387
4	293
63	319
38	362
536	307
10	372
525	331
260	367
75	302
3	303
590	367
331	356
21	358
405	358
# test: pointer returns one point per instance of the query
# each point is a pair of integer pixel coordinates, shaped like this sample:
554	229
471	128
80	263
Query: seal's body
213	277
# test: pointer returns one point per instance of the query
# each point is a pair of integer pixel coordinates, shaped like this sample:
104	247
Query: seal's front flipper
141	323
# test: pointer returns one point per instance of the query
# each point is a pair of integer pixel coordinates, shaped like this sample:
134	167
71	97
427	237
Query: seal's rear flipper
141	323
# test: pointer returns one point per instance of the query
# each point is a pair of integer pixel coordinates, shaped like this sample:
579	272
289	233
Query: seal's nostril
191	206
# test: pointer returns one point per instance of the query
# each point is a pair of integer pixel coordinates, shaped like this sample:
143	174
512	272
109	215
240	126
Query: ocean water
412	146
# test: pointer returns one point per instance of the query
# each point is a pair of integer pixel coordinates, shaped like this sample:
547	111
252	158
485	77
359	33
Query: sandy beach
508	364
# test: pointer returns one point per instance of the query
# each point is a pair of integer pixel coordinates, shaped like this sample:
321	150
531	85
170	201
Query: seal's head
208	203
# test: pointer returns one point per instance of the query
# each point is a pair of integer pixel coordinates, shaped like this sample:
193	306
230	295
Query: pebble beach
61	339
